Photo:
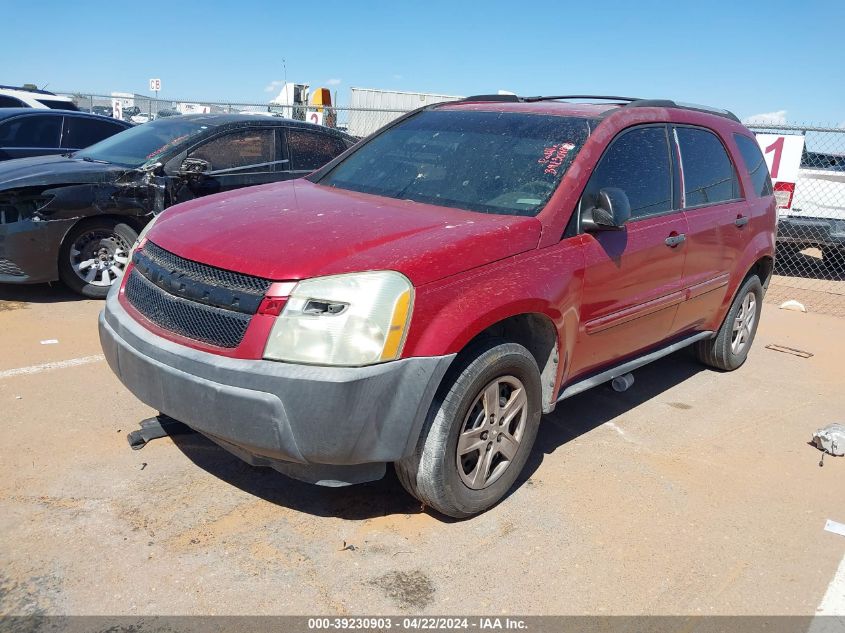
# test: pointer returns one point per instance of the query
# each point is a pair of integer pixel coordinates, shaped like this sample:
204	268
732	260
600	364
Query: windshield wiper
88	159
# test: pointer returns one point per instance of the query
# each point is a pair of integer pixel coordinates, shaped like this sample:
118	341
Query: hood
40	171
298	229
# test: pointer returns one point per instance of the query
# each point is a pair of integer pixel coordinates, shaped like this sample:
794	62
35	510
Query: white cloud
333	82
274	86
778	117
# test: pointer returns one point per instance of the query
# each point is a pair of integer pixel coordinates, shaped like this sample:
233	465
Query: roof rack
25	89
584	97
667	103
507	98
627	102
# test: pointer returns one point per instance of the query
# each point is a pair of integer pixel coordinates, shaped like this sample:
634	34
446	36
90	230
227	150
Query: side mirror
611	212
194	167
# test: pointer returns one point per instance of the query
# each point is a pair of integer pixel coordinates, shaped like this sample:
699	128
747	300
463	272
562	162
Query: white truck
810	191
371	108
291	102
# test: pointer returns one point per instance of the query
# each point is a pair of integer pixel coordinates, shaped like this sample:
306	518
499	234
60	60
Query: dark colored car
75	216
26	132
426	297
102	110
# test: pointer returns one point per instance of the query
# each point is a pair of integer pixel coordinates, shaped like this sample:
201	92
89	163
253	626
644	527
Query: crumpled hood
40	171
297	229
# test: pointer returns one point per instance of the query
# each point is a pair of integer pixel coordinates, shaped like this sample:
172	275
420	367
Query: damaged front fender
145	196
35	220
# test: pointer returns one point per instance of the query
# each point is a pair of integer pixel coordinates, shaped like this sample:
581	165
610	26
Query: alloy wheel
492	432
99	257
744	323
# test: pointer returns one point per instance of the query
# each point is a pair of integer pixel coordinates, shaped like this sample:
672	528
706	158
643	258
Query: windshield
494	162
143	144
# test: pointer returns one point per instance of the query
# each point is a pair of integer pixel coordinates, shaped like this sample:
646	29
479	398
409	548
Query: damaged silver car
75	217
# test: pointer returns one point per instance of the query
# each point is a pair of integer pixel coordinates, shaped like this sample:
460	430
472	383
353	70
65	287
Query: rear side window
80	132
239	149
709	176
637	162
31	131
310	151
11	102
56	104
756	164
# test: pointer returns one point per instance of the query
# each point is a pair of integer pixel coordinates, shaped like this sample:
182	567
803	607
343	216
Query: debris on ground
830	439
153	428
50	341
834	527
789	350
349	547
792	304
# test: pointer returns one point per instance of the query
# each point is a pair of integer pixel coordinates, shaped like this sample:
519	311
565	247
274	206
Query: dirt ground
695	492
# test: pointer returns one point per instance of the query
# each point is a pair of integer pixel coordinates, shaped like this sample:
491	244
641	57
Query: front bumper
328	425
29	250
816	231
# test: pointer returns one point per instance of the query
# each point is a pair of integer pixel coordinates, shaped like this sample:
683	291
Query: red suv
425	297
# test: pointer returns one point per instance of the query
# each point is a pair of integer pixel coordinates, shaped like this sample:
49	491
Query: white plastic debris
836	528
830	439
792	304
50	341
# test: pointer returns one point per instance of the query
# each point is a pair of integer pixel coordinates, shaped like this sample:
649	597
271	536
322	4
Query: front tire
94	255
729	348
479	432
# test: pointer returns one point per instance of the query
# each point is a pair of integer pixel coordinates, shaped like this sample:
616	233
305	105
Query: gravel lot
694	492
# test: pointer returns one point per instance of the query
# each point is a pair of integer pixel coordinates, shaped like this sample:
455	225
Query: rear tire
729	348
94	256
479	431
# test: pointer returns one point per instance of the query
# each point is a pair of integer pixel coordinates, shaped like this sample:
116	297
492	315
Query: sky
775	60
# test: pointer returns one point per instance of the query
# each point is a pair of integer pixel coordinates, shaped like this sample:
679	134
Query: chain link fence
358	122
810	263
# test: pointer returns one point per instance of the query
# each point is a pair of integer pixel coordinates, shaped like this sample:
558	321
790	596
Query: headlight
354	319
142	236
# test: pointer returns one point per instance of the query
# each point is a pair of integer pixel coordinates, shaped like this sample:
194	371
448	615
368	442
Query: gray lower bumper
313	423
820	231
29	250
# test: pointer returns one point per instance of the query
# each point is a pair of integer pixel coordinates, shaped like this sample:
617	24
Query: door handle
675	240
741	221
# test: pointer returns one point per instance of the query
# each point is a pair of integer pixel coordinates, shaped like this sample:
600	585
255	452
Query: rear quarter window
755	163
